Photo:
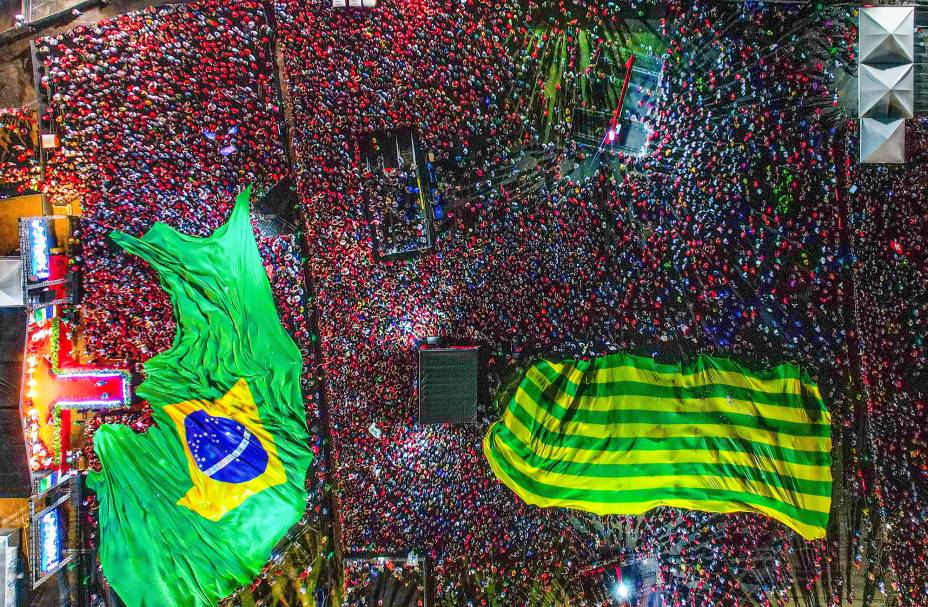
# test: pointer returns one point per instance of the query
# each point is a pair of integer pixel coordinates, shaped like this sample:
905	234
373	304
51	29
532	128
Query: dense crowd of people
724	239
19	163
165	115
384	581
746	230
889	219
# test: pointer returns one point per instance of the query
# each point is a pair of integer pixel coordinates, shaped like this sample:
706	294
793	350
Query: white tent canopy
882	140
887	34
887	92
11	282
885	81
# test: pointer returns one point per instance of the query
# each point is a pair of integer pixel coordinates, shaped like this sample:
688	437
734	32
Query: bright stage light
621	591
610	136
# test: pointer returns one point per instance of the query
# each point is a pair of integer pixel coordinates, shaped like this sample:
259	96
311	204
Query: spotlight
621	591
610	136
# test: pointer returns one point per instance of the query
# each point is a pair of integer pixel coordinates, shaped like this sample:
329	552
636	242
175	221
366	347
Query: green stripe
643	416
599	470
635	388
555	439
605	496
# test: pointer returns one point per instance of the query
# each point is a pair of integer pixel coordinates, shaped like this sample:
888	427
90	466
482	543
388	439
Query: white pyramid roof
882	141
887	34
11	282
886	92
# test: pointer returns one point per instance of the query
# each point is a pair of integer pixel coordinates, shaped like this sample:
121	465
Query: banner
622	434
191	509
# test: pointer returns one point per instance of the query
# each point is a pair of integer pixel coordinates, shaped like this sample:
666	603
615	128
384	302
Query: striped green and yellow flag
622	434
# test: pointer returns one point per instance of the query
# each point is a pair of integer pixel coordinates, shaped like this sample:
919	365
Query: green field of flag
622	434
191	509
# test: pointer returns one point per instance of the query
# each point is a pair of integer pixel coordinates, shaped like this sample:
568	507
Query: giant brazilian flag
622	434
191	509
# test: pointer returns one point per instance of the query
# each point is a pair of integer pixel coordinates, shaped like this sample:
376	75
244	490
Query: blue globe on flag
224	449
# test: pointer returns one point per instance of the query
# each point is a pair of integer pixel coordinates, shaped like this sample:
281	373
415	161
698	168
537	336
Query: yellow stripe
787	385
658	431
796	499
809	532
675	405
674	456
